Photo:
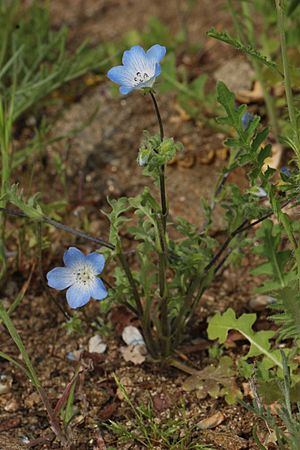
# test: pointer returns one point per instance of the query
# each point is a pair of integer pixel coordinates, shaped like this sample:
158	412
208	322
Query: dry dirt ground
101	161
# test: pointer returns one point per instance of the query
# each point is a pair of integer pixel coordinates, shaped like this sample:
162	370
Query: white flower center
83	274
140	77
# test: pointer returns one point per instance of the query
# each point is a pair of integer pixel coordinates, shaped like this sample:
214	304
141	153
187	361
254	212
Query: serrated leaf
220	325
290	298
116	217
30	207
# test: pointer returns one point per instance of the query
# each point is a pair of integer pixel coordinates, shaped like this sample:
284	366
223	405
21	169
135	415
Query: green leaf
116	217
30	207
290	298
237	44
271	237
220	325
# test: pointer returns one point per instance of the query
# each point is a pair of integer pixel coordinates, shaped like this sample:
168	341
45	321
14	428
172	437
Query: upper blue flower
139	69
80	276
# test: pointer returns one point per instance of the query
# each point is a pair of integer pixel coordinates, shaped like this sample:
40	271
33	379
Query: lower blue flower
80	277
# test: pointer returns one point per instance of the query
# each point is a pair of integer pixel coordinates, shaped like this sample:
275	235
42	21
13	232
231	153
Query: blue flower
139	69
246	119
80	277
286	171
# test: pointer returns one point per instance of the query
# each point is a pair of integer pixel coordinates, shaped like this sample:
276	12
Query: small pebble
12	406
5	384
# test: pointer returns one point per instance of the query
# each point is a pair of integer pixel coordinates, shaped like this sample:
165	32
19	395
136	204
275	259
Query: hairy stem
59	226
287	76
162	183
163	256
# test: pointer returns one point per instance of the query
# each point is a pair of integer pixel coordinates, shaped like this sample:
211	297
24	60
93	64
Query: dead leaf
226	440
216	381
132	336
134	353
96	345
212	421
275	159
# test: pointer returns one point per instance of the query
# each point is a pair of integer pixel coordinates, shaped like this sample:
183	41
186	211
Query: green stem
163	257
162	183
249	38
131	280
183	313
5	139
287	76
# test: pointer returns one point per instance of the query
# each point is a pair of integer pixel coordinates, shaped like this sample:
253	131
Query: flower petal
96	261
60	278
125	90
73	256
121	75
78	296
98	290
134	58
157	70
156	53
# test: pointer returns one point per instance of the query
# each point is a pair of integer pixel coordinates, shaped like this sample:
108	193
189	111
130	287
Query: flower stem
287	76
162	183
163	257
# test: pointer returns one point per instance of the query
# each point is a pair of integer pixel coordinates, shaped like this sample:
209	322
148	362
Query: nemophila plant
170	273
171	263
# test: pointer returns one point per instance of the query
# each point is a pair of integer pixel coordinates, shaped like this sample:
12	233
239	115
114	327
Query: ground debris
212	421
